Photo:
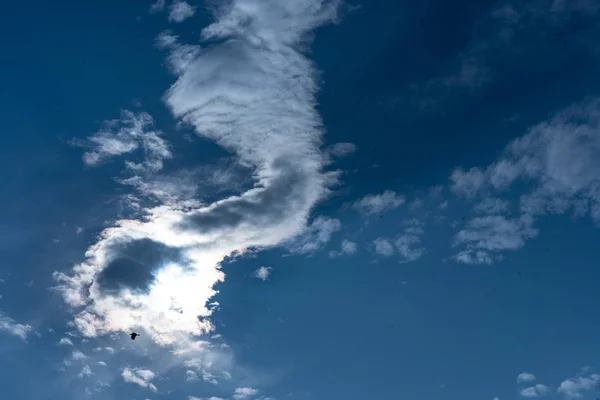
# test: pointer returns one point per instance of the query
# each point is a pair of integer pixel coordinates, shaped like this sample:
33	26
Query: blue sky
300	199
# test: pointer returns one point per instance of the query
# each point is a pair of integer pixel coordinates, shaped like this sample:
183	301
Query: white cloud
492	205
9	325
85	371
78	355
157	6
467	183
244	393
252	91
573	388
378	203
342	149
65	342
383	247
180	10
525	377
405	245
484	236
141	377
317	235
131	132
205	398
348	247
263	273
559	158
102	363
191	376
538	390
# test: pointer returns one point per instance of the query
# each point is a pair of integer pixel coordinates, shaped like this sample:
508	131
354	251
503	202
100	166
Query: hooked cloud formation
253	93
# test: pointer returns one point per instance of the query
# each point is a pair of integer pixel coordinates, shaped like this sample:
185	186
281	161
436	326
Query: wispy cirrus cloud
378	203
505	33
555	161
252	85
131	132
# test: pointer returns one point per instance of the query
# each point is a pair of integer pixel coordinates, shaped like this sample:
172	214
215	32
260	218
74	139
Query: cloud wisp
253	93
557	159
10	326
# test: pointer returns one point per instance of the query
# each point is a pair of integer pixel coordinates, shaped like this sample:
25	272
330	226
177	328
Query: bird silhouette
134	335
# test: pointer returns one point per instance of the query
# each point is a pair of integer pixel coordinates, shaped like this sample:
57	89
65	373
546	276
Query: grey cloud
132	265
492	205
258	207
342	149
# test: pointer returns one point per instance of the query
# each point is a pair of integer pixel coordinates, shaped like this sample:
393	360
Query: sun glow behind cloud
253	93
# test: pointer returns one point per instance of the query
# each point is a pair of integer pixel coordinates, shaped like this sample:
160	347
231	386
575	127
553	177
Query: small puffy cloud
263	273
383	247
65	342
180	10
85	371
484	236
244	393
157	6
378	203
347	248
407	245
525	377
538	390
9	325
78	355
141	377
102	363
573	388
340	150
